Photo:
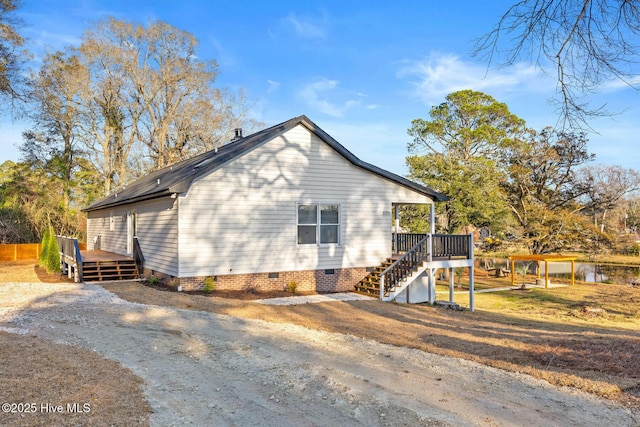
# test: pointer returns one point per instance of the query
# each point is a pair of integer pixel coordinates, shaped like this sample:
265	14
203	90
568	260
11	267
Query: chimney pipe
238	133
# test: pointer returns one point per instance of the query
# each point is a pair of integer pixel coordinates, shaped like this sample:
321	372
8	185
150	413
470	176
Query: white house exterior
285	204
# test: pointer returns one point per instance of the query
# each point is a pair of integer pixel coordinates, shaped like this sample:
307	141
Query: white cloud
441	74
273	86
317	93
307	28
615	85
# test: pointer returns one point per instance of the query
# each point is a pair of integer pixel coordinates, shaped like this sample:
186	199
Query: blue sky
361	70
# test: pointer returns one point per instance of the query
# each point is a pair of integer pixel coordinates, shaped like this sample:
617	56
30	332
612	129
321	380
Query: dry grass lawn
557	334
585	336
39	372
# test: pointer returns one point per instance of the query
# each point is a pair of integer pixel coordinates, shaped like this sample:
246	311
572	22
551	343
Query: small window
318	223
274	275
330	271
307	224
329	223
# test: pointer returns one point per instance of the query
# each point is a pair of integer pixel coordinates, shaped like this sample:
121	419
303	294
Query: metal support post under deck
451	284
471	275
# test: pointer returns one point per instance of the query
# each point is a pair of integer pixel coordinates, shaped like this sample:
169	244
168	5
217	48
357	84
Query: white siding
98	225
242	217
157	231
158	234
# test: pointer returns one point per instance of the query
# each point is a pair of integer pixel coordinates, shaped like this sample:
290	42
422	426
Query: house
286	204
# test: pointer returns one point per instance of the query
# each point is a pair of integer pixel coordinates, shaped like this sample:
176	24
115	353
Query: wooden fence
23	251
20	251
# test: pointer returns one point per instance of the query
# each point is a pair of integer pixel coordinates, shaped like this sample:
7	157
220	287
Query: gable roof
178	177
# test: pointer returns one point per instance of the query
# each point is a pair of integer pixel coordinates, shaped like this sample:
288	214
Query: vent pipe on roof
238	133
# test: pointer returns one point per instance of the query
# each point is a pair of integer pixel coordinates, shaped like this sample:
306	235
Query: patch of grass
619	301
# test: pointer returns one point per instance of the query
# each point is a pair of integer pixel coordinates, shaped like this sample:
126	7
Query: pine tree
45	247
53	253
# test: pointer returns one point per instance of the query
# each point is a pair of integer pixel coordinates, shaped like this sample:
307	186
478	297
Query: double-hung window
318	223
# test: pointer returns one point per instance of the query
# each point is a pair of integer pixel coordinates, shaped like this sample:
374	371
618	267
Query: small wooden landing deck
99	265
100	255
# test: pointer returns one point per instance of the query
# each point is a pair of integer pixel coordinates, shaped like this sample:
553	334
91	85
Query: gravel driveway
207	369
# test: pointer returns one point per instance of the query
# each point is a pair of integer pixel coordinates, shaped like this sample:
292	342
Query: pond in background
587	272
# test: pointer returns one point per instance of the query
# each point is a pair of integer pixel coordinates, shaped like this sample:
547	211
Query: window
318	223
329	223
307	224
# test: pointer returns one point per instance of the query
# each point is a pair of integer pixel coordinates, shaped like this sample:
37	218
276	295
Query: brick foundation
342	280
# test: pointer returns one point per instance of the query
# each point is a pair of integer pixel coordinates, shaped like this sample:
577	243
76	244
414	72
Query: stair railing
70	256
405	265
138	257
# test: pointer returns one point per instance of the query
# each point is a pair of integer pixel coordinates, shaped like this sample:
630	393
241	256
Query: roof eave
156	195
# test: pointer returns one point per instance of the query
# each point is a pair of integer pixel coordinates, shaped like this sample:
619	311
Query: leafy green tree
468	125
30	202
50	255
52	262
466	143
46	247
544	192
473	186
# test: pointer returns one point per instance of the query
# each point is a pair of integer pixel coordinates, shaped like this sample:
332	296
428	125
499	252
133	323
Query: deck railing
138	256
451	245
444	245
402	242
70	256
405	265
424	248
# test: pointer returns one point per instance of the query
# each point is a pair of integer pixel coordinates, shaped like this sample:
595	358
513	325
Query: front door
131	230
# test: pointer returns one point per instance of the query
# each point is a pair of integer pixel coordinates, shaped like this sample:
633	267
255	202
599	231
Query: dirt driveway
203	368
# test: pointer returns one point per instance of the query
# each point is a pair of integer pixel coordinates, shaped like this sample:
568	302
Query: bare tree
589	43
110	129
162	73
606	187
151	101
56	92
12	56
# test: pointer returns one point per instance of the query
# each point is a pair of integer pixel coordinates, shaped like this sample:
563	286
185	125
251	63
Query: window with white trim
318	223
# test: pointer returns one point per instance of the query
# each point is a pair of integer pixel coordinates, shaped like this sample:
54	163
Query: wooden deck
100	255
99	265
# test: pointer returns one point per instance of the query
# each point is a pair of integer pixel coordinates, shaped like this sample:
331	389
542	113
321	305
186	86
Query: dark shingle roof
178	177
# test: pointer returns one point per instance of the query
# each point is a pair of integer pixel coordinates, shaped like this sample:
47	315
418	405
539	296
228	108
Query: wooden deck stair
370	285
106	270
